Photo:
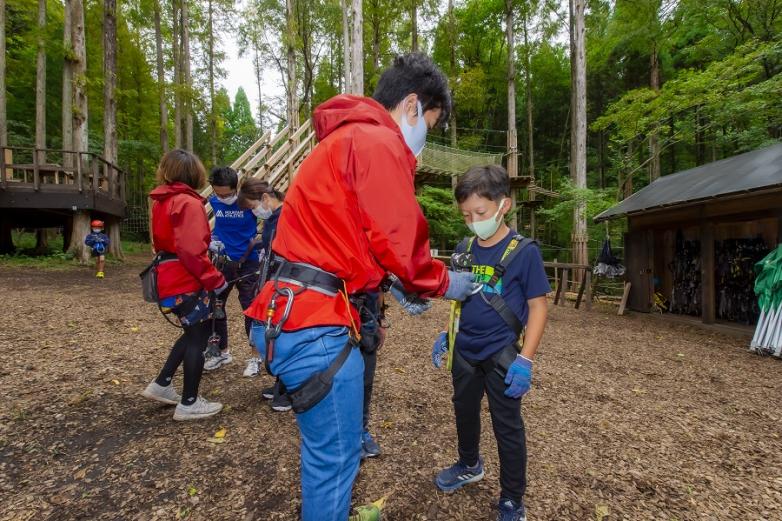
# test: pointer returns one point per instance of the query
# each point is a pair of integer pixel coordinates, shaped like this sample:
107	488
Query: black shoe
268	393
281	402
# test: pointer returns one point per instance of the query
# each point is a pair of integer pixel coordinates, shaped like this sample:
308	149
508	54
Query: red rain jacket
179	226
351	211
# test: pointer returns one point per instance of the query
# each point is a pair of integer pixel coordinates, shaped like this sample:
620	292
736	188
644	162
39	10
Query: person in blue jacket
234	244
98	242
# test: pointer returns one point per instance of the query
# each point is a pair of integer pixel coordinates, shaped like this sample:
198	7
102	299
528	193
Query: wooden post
707	273
588	302
79	176
121	179
3	174
95	174
625	295
36	173
581	288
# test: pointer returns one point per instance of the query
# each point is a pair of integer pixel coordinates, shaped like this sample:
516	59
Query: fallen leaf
220	433
601	511
135	329
80	474
216	440
399	370
386	424
192	491
115	382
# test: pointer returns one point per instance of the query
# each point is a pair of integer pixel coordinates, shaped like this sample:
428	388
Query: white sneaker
200	408
216	362
253	367
167	394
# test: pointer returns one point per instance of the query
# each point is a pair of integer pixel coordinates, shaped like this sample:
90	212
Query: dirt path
648	421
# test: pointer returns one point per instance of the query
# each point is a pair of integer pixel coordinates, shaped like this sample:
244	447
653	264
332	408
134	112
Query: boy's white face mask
415	136
487	228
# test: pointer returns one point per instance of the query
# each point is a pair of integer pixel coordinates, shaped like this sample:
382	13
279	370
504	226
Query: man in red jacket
349	218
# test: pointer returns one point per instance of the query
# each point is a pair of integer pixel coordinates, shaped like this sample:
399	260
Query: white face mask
486	228
261	212
228	200
96	230
415	136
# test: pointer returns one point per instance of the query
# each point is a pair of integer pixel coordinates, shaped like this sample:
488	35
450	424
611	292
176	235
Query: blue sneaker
369	447
511	511
458	475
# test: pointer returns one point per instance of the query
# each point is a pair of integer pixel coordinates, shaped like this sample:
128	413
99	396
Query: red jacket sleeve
191	240
396	228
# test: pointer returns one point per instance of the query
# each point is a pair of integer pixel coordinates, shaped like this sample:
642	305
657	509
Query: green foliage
446	225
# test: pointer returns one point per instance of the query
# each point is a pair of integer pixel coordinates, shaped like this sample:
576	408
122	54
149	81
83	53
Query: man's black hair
223	176
490	182
414	73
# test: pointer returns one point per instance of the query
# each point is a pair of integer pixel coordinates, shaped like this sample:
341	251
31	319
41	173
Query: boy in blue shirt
98	242
233	237
486	352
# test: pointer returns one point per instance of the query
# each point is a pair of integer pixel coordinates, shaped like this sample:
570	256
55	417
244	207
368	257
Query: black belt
308	277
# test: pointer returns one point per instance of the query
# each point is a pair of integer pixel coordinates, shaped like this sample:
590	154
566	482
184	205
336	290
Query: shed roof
756	170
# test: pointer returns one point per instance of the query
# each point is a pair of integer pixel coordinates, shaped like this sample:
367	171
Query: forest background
669	84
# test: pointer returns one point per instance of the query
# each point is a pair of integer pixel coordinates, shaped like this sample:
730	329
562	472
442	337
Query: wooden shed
700	231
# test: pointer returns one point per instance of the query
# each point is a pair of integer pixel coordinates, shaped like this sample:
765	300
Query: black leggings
188	351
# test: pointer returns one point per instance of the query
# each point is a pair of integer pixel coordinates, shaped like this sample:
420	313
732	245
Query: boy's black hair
223	176
491	182
414	73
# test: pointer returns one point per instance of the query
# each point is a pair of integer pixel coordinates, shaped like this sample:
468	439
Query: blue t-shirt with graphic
482	331
234	227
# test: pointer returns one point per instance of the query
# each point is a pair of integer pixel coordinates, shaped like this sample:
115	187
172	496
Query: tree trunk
110	116
672	144
41	242
161	80
258	79
40	84
80	115
654	143
357	44
3	116
578	128
414	25
513	151
293	100
346	46
176	51
186	74
6	237
67	84
452	59
530	126
212	116
80	227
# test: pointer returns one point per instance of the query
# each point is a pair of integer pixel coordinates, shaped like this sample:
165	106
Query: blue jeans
331	430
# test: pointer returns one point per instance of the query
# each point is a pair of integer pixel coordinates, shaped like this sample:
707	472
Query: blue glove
440	350
99	248
519	377
216	246
461	284
411	302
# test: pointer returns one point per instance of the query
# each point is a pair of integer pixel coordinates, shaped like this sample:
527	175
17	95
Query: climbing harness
306	277
463	261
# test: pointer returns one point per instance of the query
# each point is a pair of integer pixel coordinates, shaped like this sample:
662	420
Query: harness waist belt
308	277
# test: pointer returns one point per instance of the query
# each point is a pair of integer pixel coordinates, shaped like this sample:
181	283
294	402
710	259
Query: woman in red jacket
186	279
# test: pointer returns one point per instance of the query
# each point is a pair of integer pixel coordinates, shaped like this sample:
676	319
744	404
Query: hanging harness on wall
686	269
735	278
463	262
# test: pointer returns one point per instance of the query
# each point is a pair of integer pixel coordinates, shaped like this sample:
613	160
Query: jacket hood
167	190
347	108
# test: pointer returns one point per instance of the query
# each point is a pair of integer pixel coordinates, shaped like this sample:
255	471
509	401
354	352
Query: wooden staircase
275	159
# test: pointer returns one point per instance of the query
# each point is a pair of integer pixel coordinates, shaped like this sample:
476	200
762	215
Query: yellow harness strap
456	306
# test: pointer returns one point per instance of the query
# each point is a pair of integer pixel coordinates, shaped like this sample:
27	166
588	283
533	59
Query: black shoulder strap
517	244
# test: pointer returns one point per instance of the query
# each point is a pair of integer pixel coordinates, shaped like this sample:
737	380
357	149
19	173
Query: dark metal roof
756	170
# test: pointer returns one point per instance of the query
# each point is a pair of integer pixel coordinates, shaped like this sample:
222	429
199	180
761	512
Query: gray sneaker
281	402
216	362
158	393
200	408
